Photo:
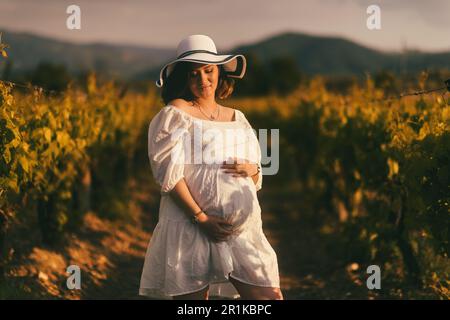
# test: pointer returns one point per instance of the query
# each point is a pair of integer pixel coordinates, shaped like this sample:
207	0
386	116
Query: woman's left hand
240	168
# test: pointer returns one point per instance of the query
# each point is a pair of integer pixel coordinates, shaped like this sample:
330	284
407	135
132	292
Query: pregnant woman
209	239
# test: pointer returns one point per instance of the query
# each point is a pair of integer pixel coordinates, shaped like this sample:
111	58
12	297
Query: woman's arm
182	196
255	179
218	229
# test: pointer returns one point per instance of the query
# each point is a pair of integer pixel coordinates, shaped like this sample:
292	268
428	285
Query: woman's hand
216	228
241	169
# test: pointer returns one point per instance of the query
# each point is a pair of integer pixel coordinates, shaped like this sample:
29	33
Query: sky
412	24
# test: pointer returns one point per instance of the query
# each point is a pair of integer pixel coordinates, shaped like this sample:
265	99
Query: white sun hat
201	49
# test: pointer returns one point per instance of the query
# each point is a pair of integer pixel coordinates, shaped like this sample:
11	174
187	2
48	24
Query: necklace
210	116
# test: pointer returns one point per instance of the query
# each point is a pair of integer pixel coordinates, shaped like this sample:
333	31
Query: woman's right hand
216	228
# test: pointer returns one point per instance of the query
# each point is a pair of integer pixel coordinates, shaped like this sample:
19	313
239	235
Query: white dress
180	259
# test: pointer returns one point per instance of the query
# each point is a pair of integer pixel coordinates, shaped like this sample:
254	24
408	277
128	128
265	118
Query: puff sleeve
167	133
257	148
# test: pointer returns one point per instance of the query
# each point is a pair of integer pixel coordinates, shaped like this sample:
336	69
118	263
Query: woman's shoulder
176	108
240	115
179	104
230	113
170	117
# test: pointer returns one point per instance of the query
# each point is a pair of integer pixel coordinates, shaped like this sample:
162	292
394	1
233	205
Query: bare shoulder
179	103
229	112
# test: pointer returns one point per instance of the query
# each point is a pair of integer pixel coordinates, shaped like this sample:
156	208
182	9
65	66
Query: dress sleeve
167	134
255	143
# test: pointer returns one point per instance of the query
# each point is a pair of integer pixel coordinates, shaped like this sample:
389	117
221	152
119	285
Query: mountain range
312	55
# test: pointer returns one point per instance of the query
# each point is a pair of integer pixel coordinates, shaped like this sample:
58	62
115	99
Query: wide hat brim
234	65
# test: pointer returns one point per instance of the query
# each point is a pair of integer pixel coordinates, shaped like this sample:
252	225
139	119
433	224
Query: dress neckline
199	119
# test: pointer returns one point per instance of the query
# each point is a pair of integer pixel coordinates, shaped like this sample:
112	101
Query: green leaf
12	184
47	134
63	138
7	155
24	163
393	167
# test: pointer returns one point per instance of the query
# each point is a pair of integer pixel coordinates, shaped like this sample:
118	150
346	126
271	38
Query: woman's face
203	80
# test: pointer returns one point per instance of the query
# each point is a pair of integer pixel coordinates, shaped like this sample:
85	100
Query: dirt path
310	265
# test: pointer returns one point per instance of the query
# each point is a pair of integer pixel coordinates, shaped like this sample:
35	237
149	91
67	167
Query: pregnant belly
221	194
237	200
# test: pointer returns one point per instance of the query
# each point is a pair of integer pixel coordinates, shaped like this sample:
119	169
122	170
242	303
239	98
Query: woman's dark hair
176	85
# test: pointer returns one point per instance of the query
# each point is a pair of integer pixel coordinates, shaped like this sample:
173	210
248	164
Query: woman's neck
208	104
